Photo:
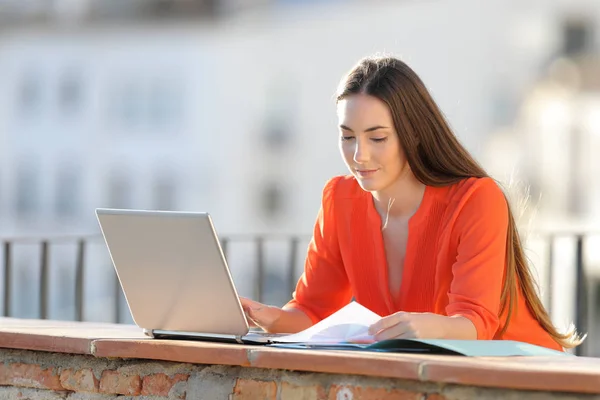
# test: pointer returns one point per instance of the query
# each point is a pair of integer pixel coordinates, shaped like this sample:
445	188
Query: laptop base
252	338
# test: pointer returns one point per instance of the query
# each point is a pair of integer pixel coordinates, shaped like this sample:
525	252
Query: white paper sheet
351	323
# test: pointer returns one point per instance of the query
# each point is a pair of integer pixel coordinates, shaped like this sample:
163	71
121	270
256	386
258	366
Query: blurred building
227	106
551	141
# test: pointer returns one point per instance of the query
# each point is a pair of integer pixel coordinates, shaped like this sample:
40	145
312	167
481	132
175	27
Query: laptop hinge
158	333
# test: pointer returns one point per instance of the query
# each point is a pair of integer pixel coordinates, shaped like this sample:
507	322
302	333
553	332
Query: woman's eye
379	140
345	138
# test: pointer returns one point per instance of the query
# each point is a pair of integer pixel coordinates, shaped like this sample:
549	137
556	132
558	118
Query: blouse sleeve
323	287
479	270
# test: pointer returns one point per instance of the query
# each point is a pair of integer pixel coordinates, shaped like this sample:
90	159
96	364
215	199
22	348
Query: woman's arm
478	272
274	319
323	287
404	325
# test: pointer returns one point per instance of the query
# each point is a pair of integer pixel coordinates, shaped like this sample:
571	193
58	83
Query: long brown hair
437	158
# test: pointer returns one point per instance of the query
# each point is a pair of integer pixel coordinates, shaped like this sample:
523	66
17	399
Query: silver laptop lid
173	271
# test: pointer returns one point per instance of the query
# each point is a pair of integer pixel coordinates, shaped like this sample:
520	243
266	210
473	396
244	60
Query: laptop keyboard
267	334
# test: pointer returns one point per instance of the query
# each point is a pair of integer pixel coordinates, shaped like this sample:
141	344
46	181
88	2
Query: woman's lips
363	173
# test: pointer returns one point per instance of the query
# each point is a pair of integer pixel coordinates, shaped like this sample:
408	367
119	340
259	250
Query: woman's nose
361	152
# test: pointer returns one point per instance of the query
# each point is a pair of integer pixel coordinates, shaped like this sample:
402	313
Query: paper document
349	324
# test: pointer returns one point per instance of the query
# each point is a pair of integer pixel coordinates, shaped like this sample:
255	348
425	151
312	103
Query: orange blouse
454	263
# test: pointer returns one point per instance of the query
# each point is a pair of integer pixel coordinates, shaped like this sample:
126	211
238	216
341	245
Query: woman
418	233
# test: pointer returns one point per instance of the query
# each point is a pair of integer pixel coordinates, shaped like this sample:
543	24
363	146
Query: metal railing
581	300
291	268
44	244
291	272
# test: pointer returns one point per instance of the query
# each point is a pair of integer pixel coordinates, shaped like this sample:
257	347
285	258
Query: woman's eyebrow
371	129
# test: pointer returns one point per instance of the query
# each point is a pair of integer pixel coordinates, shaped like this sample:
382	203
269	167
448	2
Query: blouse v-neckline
375	226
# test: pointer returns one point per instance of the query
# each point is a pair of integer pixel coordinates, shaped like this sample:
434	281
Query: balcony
266	285
83	359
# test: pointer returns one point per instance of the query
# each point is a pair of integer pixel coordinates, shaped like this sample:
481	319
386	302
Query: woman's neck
401	199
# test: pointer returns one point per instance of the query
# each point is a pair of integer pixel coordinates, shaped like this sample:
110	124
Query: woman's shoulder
484	191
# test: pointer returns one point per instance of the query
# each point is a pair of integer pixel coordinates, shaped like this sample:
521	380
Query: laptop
174	275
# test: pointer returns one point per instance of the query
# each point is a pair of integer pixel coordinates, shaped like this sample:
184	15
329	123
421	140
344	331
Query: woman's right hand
261	315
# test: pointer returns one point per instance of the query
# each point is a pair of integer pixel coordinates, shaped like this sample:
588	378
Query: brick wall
39	375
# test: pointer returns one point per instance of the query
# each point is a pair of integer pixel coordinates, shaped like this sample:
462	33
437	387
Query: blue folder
470	348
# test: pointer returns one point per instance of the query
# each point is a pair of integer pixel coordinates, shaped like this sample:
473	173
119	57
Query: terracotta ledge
561	374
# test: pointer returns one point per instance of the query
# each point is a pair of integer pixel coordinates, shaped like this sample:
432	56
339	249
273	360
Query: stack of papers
348	325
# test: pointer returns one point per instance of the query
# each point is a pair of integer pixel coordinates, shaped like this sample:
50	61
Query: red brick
29	375
82	380
116	383
370	393
346	362
254	390
294	392
191	351
4	379
160	384
436	396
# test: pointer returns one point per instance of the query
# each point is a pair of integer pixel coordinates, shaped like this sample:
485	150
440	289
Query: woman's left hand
407	325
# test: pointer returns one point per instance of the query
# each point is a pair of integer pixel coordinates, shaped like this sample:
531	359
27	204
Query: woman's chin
369	185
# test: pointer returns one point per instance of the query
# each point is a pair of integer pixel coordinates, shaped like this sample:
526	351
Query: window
70	93
277	134
272	200
150	104
280	113
119	191
164	102
164	193
27	191
126	105
29	95
577	36
67	191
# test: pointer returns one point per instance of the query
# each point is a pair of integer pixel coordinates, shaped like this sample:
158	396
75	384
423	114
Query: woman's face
369	143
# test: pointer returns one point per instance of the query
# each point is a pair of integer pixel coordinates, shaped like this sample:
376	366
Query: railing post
292	263
79	280
581	296
224	247
44	280
7	278
260	269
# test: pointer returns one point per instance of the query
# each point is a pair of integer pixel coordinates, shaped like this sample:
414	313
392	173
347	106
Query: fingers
251	317
400	331
251	304
400	325
387	322
251	322
258	314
